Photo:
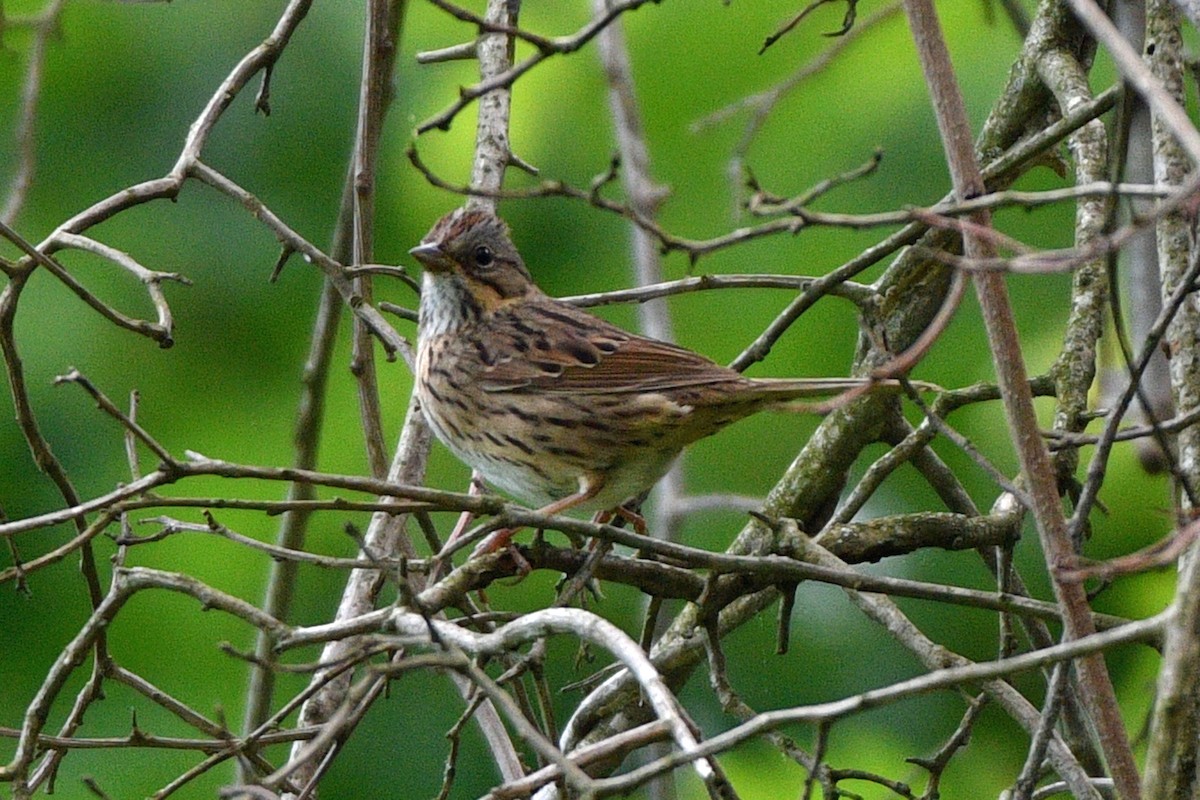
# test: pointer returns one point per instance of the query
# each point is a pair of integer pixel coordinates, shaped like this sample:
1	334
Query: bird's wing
564	349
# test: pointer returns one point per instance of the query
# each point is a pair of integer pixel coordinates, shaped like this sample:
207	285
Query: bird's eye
483	256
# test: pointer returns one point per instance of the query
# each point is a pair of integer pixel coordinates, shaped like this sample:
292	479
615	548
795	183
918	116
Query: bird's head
471	266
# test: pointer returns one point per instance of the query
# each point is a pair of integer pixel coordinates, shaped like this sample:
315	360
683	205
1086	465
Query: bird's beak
432	257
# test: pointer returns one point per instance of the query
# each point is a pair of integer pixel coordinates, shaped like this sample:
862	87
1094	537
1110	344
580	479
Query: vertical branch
1172	167
1141	289
1018	400
293	526
492	154
1171	760
654	317
1171	757
44	25
384	535
1075	369
379	59
492	151
645	196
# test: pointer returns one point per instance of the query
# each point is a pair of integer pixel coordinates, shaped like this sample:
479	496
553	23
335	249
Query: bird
552	405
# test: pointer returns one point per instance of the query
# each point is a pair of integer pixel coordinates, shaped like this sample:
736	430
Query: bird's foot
502	540
635	520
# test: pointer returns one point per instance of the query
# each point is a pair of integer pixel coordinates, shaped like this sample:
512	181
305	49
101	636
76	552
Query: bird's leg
636	520
589	487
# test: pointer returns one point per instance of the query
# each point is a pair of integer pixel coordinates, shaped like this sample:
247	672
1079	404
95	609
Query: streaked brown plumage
548	403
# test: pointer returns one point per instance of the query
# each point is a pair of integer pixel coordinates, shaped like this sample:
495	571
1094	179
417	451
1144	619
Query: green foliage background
123	82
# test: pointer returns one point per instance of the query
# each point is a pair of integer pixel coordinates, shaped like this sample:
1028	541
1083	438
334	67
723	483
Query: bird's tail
835	391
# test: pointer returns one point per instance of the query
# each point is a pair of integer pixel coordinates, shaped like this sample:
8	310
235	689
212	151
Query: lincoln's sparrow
548	403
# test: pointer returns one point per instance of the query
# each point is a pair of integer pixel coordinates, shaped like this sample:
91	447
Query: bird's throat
446	305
